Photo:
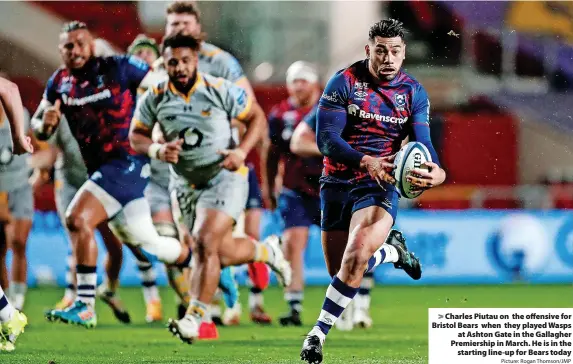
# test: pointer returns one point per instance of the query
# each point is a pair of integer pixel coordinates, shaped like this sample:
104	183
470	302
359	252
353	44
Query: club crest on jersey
353	109
360	92
400	101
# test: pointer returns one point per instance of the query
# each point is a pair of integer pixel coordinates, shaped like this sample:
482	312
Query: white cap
301	70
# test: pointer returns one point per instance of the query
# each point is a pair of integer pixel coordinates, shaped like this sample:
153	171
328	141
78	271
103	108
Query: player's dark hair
387	28
74	25
181	40
184	7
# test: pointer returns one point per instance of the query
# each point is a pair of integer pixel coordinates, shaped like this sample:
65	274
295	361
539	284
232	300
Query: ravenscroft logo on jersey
71	101
332	98
355	110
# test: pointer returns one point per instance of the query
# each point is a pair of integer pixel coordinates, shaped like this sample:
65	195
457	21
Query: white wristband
153	151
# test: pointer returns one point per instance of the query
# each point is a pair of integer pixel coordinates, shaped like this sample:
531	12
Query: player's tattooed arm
12	105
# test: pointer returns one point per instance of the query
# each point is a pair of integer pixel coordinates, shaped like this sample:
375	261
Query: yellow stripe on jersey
140	125
243	171
187	97
247	109
156	90
212	53
219	83
58	184
237	81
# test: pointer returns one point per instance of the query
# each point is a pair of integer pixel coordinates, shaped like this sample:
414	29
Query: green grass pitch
399	335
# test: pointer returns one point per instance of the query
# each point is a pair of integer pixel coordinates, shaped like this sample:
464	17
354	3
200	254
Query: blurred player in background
184	16
298	203
357	313
157	194
364	114
70	174
144	48
64	154
97	97
208	172
13	143
17	203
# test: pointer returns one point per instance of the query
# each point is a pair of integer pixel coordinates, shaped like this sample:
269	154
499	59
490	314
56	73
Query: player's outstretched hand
51	117
422	179
169	152
380	169
234	158
22	145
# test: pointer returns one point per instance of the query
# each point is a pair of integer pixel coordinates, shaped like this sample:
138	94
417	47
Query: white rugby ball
412	155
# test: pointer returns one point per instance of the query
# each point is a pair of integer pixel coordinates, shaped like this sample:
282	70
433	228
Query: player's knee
356	257
19	247
206	244
75	222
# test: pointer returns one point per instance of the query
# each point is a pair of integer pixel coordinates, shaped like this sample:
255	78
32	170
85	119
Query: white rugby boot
186	329
278	263
344	322
361	315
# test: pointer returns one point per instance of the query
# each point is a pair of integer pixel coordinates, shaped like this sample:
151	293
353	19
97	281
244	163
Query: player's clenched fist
380	169
169	152
234	158
51	117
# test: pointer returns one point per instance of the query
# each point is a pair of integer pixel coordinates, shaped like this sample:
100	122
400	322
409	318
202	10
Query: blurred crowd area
499	75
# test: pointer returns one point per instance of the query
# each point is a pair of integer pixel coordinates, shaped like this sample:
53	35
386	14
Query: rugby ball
412	155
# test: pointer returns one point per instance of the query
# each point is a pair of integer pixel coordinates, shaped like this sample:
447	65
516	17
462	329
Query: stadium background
499	76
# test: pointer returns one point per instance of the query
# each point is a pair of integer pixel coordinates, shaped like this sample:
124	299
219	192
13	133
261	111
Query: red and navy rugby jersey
98	104
374	118
301	174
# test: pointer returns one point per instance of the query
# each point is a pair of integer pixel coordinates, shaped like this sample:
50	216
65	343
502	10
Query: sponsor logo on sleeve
333	97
